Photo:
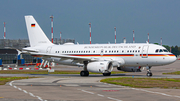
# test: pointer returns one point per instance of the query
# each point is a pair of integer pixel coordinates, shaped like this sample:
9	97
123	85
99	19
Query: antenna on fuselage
124	40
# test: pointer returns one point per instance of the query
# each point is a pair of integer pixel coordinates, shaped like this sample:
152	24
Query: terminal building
10	56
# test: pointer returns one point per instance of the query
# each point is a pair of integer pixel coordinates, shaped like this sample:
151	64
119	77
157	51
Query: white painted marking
25	91
19	88
5	69
100	95
39	98
31	94
114	99
27	68
155	92
87	92
147	91
15	68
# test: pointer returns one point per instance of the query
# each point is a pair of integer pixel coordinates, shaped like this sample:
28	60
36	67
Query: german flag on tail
32	25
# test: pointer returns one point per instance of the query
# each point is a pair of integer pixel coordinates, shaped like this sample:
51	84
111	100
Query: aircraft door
145	51
48	50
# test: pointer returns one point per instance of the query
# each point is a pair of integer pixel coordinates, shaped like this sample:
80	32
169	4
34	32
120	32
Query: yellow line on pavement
1	97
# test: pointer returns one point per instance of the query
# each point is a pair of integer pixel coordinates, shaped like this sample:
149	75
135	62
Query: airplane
99	58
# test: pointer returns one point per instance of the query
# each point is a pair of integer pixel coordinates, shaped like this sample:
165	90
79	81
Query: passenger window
136	51
122	51
128	51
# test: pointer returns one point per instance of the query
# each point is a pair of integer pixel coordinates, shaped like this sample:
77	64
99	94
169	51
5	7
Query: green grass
173	73
145	82
46	72
4	80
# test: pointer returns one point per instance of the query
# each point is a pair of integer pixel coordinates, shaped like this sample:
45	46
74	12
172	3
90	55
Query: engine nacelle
129	69
100	67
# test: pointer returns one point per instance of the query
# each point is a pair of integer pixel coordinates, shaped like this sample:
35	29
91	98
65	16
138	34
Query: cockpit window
160	50
165	50
157	50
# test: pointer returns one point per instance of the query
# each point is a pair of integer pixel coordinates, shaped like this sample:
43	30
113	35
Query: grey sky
159	18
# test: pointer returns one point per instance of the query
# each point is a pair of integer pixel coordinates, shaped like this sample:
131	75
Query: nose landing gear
149	74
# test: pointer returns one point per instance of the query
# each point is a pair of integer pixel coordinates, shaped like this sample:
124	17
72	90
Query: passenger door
145	51
48	50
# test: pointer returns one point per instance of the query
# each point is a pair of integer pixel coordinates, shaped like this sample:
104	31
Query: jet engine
100	66
129	69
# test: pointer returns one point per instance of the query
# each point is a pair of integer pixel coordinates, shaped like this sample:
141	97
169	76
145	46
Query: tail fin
36	35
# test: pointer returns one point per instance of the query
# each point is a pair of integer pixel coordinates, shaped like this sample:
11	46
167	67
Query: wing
65	56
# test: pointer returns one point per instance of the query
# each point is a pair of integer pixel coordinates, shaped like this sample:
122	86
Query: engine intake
100	67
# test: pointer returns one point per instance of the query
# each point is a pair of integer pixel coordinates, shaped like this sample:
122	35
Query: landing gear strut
85	72
149	74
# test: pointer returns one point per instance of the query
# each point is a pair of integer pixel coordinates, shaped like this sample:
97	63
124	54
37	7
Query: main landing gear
149	74
85	72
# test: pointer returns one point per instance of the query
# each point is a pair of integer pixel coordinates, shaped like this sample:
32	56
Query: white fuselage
128	54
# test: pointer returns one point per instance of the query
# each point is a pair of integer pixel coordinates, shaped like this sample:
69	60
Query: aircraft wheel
149	74
84	73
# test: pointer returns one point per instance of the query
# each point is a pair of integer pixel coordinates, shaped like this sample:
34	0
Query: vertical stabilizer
36	35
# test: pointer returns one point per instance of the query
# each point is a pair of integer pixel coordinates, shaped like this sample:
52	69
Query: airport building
10	56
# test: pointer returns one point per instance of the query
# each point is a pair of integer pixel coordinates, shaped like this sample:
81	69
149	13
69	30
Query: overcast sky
159	18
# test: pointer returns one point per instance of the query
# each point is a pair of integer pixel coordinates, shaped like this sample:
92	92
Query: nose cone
172	58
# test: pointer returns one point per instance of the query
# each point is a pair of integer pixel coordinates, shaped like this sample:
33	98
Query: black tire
87	73
149	74
84	73
106	74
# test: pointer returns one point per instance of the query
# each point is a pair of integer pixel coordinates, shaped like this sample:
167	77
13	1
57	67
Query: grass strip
4	80
46	72
172	83
173	73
